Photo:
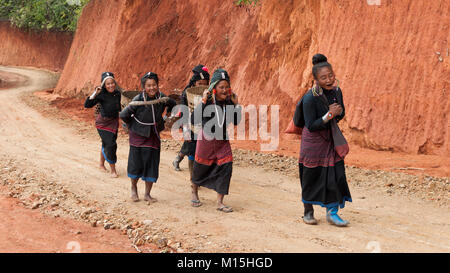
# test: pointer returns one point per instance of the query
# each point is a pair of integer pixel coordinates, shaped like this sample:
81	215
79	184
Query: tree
60	15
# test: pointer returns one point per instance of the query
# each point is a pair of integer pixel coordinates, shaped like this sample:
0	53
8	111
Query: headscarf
105	76
218	75
200	73
149	75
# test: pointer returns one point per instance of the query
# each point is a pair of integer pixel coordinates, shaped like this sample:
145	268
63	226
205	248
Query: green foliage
60	15
246	2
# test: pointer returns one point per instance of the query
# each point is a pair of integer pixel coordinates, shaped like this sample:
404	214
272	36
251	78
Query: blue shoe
334	219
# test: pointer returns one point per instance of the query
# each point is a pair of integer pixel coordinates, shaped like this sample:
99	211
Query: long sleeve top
110	103
314	109
223	119
139	119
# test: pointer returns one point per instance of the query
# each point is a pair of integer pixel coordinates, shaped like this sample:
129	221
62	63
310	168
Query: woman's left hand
234	98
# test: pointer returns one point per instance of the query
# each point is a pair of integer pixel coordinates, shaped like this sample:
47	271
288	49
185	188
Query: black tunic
213	165
222	105
314	110
144	155
107	122
145	115
110	103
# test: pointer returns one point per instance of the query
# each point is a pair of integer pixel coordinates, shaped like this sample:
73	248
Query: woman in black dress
213	163
323	147
107	121
145	122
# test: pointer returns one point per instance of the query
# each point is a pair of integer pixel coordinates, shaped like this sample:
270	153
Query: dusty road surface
23	231
267	210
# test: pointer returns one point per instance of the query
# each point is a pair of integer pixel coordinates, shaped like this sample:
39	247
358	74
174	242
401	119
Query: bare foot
114	175
102	167
134	194
150	199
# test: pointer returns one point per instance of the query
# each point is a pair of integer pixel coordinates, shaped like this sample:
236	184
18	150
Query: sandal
225	209
196	203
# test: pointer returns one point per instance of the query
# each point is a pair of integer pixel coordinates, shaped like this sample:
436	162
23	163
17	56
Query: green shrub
60	15
246	2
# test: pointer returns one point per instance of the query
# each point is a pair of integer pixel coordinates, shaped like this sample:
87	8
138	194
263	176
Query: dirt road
267	216
23	231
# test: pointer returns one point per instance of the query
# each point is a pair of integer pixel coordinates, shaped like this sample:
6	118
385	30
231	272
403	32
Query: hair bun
319	58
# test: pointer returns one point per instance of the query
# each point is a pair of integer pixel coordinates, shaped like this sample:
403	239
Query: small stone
88	211
147	222
402	186
107	225
139	242
36	205
125	227
94	224
162	242
180	250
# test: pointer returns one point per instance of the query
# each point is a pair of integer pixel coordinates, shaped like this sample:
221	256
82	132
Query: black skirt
143	162
109	145
214	177
325	186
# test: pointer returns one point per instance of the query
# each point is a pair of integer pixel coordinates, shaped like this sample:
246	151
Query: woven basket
194	96
126	97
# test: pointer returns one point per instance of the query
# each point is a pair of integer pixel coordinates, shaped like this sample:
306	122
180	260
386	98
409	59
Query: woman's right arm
312	121
93	99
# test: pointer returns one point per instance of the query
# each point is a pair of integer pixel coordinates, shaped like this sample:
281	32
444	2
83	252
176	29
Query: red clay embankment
43	49
395	86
